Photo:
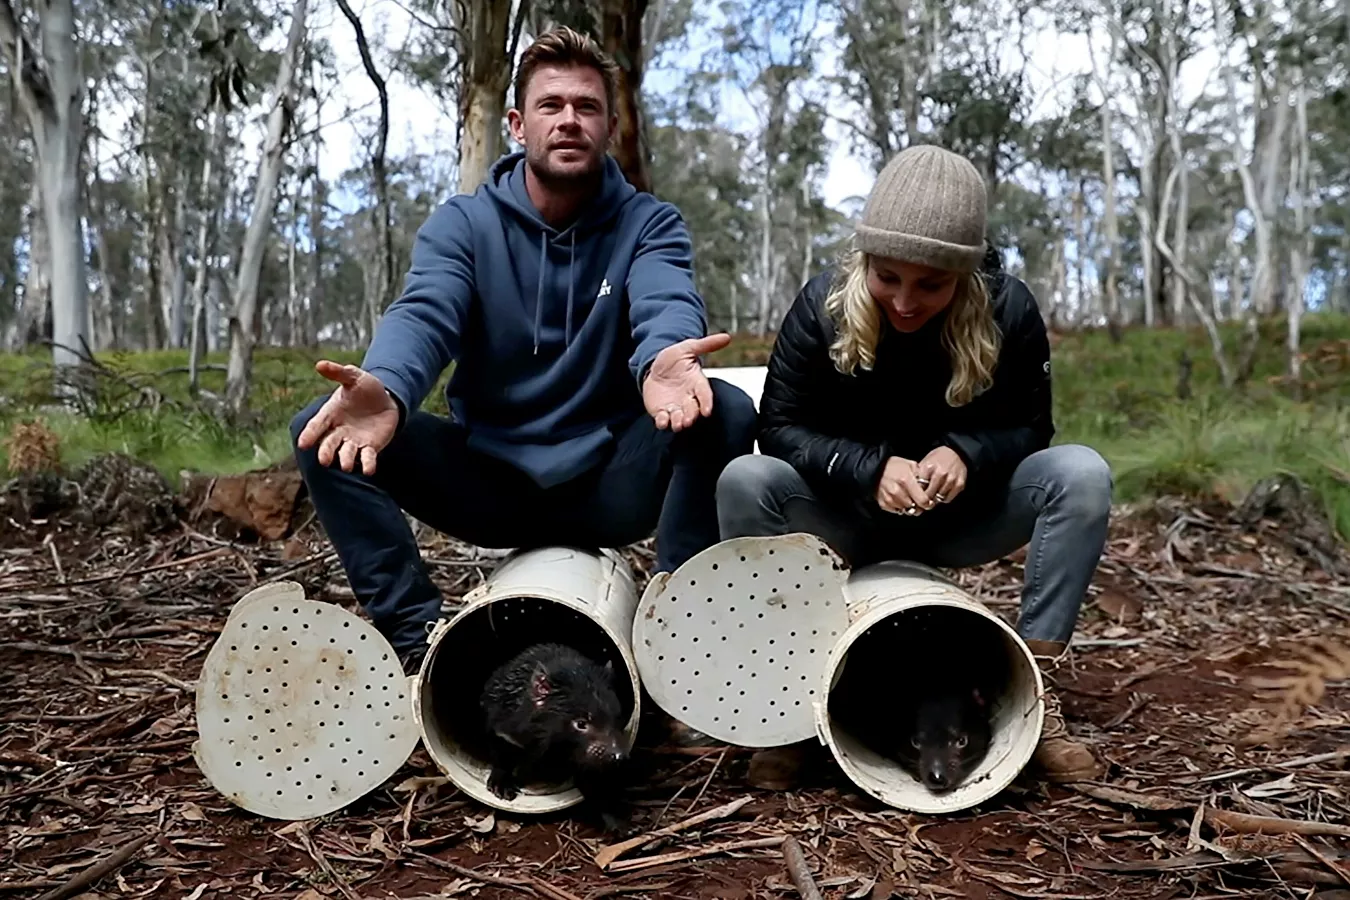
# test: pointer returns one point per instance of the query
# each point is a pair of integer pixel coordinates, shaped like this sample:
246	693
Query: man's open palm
359	419
676	391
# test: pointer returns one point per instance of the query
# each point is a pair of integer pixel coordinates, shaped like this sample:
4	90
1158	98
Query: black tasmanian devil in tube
919	688
553	713
948	735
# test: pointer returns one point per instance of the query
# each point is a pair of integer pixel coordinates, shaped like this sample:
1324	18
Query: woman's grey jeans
1058	500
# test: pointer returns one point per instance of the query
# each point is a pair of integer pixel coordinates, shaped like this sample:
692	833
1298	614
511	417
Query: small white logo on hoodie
604	289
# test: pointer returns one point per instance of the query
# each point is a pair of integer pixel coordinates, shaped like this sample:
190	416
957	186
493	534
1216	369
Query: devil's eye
580	724
915	741
961	741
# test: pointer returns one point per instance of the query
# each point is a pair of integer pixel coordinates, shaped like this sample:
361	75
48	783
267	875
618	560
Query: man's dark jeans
651	480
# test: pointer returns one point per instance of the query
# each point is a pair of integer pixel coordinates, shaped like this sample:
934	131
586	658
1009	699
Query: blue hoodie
551	331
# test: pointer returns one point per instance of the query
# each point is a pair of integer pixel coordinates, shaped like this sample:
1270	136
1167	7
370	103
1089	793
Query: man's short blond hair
562	46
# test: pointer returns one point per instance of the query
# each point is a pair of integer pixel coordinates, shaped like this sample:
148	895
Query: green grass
1117	397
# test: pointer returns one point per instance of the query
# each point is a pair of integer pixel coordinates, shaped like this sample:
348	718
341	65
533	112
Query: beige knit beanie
928	206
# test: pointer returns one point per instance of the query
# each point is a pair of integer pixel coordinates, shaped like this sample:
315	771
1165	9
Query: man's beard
566	179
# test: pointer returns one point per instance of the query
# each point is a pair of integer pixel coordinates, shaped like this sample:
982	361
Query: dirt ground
1212	676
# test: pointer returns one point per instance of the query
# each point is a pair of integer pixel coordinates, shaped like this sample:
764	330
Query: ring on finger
940	498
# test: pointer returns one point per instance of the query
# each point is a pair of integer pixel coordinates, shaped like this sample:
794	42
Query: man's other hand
676	391
359	419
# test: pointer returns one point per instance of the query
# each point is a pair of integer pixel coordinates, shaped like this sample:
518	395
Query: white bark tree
244	317
50	87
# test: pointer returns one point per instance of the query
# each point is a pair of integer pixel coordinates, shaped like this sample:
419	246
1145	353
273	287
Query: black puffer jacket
838	430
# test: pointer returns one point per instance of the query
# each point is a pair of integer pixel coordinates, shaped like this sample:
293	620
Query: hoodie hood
505	186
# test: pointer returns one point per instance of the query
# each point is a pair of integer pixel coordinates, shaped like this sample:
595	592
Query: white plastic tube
877	593
550	593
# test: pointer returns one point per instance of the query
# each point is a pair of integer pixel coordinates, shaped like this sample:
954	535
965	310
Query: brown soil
103	639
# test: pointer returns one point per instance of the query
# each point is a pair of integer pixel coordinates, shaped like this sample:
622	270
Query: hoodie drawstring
571	281
539	294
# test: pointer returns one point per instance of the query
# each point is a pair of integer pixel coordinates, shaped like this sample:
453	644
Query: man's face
565	126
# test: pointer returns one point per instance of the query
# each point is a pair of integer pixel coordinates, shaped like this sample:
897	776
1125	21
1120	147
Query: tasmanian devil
552	714
948	736
911	696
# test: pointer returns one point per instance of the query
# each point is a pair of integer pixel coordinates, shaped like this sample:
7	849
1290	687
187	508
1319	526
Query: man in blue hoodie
580	411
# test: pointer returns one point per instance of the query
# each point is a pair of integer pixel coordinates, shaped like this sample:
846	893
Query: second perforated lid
733	642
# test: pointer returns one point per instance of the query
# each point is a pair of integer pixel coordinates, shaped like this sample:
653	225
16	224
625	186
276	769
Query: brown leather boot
779	768
1060	757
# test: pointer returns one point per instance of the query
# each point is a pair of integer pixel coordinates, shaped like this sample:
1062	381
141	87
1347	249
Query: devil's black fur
552	714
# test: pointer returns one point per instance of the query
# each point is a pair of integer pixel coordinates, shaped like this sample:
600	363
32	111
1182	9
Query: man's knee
736	413
1084	478
753	478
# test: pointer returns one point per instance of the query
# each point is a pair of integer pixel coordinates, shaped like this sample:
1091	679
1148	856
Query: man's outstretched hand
676	391
359	419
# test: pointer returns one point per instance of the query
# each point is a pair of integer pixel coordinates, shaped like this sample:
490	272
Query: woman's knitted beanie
928	206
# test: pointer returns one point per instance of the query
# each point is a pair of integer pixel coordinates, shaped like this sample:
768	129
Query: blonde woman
906	414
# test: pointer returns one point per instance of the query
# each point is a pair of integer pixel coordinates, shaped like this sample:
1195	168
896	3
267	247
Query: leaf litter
1212	675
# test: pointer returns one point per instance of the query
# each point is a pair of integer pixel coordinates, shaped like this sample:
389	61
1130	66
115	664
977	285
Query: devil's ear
540	687
609	668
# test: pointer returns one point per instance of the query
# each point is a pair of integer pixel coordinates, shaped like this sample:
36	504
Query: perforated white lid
302	707
733	642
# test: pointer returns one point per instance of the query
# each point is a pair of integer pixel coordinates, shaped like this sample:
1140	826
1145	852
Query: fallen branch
1323	859
116	576
797	870
28	759
100	655
607	855
529	885
1243	823
683	855
1333	756
107	866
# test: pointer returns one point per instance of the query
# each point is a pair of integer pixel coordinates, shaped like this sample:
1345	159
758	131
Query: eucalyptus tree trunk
206	230
243	321
621	36
50	87
378	290
486	57
1301	244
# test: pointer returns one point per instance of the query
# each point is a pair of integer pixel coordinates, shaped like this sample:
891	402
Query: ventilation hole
238	763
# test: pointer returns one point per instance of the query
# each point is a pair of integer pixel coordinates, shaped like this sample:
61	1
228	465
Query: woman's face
909	294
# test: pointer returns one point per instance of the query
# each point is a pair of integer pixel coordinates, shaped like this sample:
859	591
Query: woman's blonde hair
969	334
